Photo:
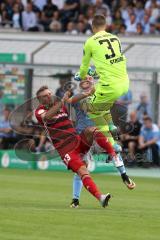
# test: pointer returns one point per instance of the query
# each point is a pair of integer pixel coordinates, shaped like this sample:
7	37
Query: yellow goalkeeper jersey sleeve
105	51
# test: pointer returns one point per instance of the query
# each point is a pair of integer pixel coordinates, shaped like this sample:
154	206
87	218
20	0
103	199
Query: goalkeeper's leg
99	113
119	164
102	125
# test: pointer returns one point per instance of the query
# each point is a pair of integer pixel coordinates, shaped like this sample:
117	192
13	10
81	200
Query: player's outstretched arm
75	98
52	111
78	97
85	60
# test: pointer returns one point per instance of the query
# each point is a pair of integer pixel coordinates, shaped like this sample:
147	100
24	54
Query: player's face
45	97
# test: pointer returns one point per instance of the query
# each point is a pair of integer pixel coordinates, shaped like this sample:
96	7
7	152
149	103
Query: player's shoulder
102	35
89	40
39	110
111	35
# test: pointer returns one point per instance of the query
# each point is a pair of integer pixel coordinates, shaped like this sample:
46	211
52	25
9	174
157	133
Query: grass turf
35	205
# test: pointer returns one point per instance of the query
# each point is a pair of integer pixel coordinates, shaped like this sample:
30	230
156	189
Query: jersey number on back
110	47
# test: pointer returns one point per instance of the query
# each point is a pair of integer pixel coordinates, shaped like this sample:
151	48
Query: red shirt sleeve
38	114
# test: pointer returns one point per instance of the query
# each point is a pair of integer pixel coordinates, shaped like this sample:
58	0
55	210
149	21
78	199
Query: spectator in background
100	7
55	26
29	19
130	137
148	3
154	11
49	9
16	17
71	29
69	11
153	29
34	7
146	24
124	6
90	14
122	29
108	17
139	29
61	90
82	18
9	9
6	133
20	5
149	139
139	11
119	110
117	21
85	4
2	8
126	99
50	19
5	21
143	107
56	16
81	27
131	24
157	25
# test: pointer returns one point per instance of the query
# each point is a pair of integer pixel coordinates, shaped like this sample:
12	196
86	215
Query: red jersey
60	130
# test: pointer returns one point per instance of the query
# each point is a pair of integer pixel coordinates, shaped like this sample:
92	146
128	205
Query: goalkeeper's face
45	97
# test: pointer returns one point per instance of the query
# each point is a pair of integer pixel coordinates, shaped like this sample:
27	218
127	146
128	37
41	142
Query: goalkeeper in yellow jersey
105	51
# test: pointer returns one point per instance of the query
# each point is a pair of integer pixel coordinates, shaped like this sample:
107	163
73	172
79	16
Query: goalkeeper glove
77	77
92	72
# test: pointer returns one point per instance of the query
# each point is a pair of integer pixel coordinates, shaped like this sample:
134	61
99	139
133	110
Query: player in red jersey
52	115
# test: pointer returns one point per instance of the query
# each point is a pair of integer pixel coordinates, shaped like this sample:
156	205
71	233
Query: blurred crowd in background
139	135
75	16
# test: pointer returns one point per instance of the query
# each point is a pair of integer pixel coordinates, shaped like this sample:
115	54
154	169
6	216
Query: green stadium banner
12	79
56	164
8	159
99	164
13	57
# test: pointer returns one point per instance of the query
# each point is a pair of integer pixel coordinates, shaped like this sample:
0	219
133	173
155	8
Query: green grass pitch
35	205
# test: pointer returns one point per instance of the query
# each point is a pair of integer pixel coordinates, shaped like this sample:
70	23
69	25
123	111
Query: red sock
104	143
91	186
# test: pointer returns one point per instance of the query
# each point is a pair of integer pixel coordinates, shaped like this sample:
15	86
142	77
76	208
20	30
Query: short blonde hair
99	21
